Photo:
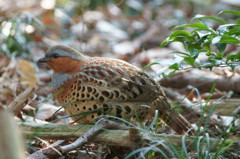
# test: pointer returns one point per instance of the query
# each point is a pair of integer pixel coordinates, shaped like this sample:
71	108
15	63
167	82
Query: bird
90	87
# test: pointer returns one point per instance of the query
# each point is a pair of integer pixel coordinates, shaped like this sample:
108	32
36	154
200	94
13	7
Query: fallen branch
109	137
72	132
203	80
57	150
91	133
184	101
225	106
21	100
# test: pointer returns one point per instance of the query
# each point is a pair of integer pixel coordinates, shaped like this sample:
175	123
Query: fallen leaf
27	73
46	111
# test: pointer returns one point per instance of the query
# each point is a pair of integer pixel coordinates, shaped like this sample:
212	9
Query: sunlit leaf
181	33
179	52
147	66
219	56
194	25
168	75
174	66
189	60
216	39
231	12
229	40
199	16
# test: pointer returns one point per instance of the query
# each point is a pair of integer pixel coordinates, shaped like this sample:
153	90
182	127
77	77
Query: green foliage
201	146
14	36
207	40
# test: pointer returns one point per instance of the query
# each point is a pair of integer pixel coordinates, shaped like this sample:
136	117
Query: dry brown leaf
27	73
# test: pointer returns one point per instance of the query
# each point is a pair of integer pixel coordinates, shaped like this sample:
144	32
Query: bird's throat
59	79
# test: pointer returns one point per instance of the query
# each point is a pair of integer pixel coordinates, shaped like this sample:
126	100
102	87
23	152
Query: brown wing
117	80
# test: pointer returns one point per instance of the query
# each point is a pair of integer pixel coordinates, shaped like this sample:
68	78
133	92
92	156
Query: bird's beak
43	60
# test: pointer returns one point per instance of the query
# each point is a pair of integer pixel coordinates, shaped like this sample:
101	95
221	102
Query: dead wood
21	100
109	137
54	151
225	106
203	80
183	101
222	107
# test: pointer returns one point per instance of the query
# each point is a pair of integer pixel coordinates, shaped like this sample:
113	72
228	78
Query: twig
54	151
103	123
185	103
203	80
20	101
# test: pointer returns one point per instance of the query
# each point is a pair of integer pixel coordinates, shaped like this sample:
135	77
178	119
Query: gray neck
59	79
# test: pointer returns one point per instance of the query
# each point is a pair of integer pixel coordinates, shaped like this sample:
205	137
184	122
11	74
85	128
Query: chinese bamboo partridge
88	87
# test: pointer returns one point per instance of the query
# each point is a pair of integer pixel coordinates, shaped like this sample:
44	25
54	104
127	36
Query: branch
110	137
203	80
20	101
223	107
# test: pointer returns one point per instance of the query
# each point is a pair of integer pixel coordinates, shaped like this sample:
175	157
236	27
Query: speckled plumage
106	86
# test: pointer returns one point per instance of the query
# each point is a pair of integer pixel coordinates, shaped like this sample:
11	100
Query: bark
118	138
21	100
225	107
203	80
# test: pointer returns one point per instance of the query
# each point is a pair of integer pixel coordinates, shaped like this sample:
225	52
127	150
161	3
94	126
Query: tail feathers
178	123
173	119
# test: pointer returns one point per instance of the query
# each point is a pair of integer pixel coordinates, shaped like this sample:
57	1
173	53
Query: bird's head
63	59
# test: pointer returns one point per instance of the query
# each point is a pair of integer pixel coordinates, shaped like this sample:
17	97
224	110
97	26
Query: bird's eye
56	55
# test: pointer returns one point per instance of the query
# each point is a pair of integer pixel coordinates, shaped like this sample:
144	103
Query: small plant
204	39
199	146
15	34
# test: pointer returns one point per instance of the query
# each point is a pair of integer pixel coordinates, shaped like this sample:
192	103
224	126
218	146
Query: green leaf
233	66
228	27
199	16
230	57
165	42
219	56
209	53
168	75
189	60
182	53
238	21
147	66
234	58
235	32
194	25
194	52
181	33
174	67
231	12
181	39
204	22
208	31
221	47
229	40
